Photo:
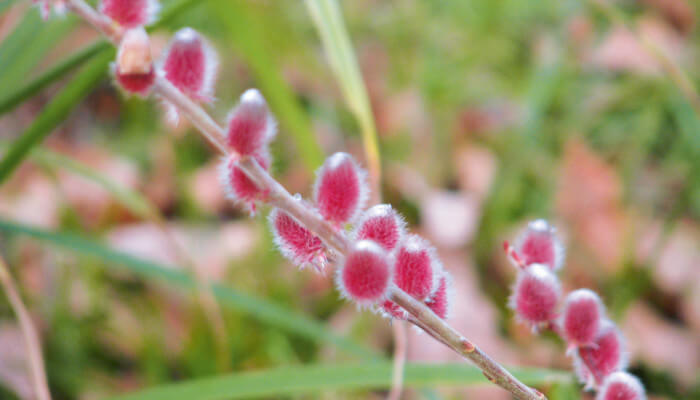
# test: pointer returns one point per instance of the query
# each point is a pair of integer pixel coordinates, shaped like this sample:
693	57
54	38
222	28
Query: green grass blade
13	98
328	19
27	46
131	199
245	28
260	309
56	111
296	380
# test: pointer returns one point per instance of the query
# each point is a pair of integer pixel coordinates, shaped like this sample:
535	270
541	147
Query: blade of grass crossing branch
16	95
260	309
56	111
298	380
328	19
28	45
13	98
245	27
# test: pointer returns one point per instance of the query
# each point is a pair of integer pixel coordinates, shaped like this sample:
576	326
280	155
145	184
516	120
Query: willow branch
337	241
31	339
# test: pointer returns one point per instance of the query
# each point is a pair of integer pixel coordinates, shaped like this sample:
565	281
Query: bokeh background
489	114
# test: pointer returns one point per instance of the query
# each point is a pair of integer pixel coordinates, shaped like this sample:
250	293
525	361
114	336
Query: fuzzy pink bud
539	244
535	294
130	13
237	185
381	224
392	310
191	64
133	69
366	273
340	190
621	386
603	357
582	316
439	302
250	125
417	270
295	242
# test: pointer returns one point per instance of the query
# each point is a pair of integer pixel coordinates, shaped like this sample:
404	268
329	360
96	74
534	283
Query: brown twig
31	339
335	240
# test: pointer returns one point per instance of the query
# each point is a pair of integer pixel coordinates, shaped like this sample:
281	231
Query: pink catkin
439	302
581	318
539	244
366	273
535	294
381	224
621	386
416	269
605	356
340	190
190	64
295	242
237	186
250	125
130	13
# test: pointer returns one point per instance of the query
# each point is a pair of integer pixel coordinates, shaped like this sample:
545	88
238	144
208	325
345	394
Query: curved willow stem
335	240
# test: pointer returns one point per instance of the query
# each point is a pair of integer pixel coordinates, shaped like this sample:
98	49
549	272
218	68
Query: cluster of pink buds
596	344
381	255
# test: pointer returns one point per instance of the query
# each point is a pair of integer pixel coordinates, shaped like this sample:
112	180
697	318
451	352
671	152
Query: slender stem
31	339
400	344
334	239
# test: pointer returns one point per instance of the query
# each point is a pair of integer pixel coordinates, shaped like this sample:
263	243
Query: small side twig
31	339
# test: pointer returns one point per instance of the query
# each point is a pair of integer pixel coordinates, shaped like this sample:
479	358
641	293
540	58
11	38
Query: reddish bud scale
139	84
381	224
439	302
250	125
539	244
191	64
366	273
237	185
340	190
295	242
603	357
535	294
130	13
416	269
581	318
621	386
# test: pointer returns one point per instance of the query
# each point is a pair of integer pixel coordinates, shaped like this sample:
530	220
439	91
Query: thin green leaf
13	98
28	44
293	380
131	199
246	30
260	309
56	111
328	19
